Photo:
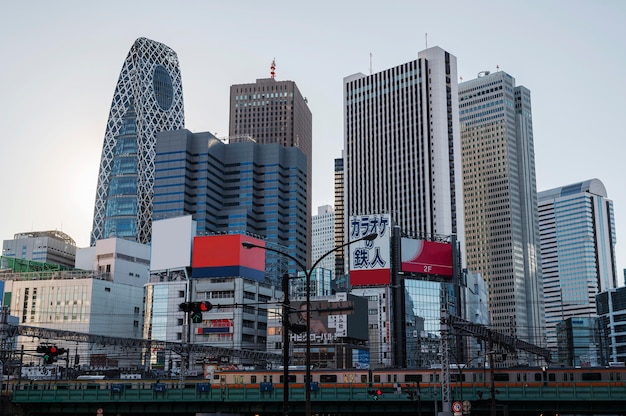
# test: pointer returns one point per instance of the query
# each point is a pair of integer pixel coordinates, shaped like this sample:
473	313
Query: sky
61	62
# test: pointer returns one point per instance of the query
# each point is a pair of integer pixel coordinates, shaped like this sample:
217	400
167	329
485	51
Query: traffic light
195	309
374	393
50	353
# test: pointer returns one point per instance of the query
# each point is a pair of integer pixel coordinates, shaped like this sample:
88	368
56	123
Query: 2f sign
428	269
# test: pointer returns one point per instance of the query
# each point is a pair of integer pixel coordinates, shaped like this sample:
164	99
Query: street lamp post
307	274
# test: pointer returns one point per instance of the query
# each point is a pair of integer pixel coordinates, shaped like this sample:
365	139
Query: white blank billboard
172	240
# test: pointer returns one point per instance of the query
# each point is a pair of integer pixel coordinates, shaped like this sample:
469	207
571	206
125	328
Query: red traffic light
204	306
53	350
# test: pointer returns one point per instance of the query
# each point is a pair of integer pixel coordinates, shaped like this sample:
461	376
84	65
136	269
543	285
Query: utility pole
446	406
491	373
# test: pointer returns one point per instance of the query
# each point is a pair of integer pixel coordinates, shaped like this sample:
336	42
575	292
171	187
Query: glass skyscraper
241	187
577	251
500	203
148	98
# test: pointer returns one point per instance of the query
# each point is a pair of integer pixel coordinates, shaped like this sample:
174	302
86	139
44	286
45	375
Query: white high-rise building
577	251
402	145
323	237
500	203
402	158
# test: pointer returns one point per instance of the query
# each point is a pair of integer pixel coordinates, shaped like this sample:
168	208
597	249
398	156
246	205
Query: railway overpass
139	397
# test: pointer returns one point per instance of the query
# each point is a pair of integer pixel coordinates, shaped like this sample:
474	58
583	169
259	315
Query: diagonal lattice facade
148	99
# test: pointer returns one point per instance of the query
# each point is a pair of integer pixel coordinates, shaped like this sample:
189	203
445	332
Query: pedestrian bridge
188	398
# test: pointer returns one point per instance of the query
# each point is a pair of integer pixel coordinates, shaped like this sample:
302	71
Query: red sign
426	257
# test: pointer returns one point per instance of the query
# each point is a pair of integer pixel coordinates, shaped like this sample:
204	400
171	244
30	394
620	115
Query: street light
307	274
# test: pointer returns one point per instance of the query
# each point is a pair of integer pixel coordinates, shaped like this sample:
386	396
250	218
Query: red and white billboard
426	257
370	261
223	256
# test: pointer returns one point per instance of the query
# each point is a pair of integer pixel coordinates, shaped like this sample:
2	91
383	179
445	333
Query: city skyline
65	62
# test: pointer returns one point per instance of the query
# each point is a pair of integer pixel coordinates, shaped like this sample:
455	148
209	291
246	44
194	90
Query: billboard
171	243
426	257
223	256
370	261
339	317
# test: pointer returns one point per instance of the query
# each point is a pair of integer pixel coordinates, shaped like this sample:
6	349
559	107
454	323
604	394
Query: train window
591	376
363	378
524	377
537	376
376	378
611	376
395	378
328	378
571	376
519	377
413	378
291	378
239	379
271	377
501	377
551	377
265	379
252	379
618	376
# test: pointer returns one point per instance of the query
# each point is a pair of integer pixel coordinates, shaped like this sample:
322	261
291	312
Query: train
459	376
387	379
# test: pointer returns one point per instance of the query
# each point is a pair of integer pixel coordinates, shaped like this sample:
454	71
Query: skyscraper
240	187
323	237
577	251
339	218
500	202
402	159
271	111
148	98
402	148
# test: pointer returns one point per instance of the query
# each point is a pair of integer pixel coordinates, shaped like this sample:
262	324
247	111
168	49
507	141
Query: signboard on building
331	319
426	257
171	243
224	256
370	261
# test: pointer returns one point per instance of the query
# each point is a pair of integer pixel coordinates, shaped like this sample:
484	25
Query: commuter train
378	378
523	376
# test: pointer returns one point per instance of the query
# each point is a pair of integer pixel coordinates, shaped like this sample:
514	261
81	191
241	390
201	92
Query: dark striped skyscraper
500	200
148	98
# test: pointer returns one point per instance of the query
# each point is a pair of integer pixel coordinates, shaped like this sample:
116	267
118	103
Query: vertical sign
370	261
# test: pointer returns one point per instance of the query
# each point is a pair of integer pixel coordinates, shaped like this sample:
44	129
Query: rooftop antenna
273	68
497	67
426	39
370	63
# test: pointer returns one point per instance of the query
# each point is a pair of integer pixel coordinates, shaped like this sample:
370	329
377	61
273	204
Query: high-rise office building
340	259
500	202
271	111
577	233
148	98
323	237
402	159
238	188
402	148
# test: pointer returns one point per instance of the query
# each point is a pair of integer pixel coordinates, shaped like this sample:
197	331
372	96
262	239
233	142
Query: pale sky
61	62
